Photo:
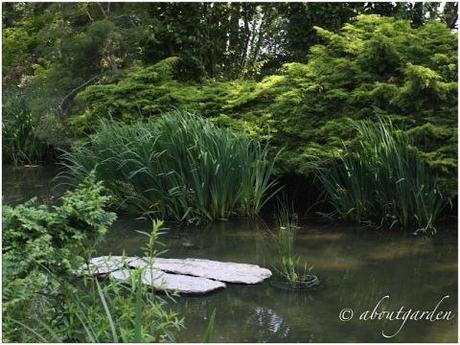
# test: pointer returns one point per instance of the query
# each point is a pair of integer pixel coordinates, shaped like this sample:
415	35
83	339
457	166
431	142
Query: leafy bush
383	180
40	242
112	311
179	166
56	235
43	298
374	66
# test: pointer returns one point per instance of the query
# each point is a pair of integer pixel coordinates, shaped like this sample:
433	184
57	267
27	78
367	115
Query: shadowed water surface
356	267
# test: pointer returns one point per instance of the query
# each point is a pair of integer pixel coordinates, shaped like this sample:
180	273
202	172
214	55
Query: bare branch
62	105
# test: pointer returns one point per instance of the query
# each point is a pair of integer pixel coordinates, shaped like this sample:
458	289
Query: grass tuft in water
179	166
286	217
383	181
289	267
20	144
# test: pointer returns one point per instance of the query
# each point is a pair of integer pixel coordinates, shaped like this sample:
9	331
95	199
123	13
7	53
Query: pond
357	268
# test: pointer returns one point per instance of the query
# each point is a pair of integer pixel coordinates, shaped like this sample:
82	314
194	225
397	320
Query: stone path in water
193	276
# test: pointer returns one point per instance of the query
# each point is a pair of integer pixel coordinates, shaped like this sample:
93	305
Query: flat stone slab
182	275
104	264
229	272
172	282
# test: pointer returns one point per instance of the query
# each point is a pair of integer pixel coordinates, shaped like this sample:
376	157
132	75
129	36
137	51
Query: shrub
383	180
112	311
373	66
56	237
43	298
179	166
41	242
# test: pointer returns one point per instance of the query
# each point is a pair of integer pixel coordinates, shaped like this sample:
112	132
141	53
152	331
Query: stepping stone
197	276
229	272
104	265
172	282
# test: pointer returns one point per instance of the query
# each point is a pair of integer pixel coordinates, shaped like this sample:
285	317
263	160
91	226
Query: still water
357	268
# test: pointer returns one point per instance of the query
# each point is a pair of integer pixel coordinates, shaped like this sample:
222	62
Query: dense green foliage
20	142
364	96
376	65
40	242
39	237
53	51
179	166
383	180
43	299
291	74
213	39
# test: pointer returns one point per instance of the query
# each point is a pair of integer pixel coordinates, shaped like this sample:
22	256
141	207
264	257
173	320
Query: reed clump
289	266
179	166
383	181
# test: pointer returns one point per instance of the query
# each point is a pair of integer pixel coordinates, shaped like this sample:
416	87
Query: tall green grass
20	144
289	266
179	166
383	180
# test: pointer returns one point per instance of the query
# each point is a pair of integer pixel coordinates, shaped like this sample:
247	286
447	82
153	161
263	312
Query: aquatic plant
288	266
179	166
286	216
383	180
287	226
297	278
207	338
285	241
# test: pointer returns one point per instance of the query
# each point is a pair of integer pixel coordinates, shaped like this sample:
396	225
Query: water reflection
20	184
268	324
